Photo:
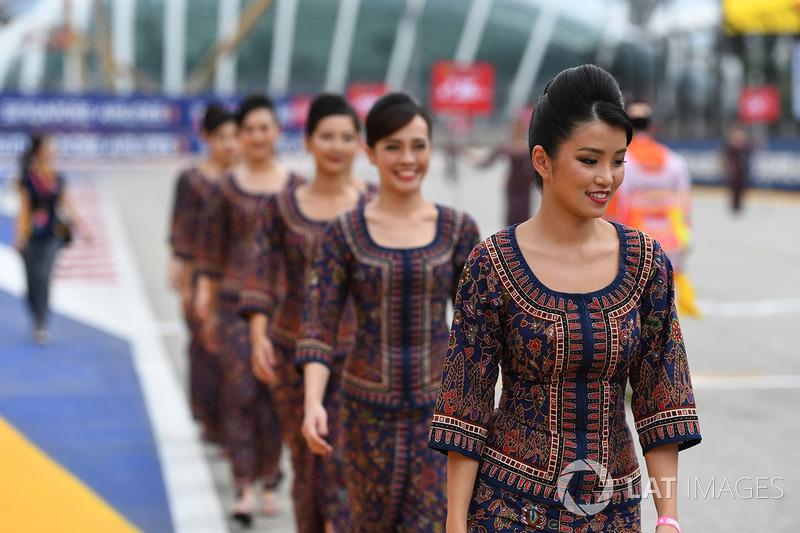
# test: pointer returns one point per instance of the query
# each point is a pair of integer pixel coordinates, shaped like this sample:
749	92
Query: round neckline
240	190
512	234
305	218
439	223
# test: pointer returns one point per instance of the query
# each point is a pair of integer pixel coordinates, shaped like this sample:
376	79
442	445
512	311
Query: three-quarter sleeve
263	261
465	402
468	239
213	227
663	401
181	226
326	294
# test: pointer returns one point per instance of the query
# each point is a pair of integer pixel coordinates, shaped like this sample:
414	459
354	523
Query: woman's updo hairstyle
326	105
215	116
390	113
575	96
253	102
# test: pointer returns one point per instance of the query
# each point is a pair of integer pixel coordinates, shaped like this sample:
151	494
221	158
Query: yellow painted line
37	495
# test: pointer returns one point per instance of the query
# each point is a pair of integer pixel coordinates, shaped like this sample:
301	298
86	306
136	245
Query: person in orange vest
656	198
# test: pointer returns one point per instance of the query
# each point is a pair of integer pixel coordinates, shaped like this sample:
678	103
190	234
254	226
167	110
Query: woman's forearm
461	474
24	217
72	213
259	322
315	376
662	467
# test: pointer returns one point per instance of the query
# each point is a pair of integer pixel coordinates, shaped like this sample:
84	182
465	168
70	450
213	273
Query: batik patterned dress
391	377
250	424
205	379
284	238
566	360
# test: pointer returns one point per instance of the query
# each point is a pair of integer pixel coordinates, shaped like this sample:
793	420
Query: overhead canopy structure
758	17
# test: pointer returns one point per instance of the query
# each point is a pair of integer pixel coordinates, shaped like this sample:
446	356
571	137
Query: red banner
362	95
462	88
760	104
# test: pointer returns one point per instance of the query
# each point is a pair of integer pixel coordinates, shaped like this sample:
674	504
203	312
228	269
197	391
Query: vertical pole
403	48
76	17
123	20
472	33
538	42
339	60
225	72
282	45
174	74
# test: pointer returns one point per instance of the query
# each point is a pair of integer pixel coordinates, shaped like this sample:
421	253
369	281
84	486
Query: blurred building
691	58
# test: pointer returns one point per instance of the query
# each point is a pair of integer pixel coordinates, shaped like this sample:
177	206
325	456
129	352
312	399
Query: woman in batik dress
288	233
571	308
191	194
399	258
250	427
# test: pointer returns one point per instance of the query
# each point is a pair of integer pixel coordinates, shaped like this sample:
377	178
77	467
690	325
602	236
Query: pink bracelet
667	521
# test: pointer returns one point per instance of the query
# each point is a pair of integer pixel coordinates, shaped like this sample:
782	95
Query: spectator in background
519	183
192	192
736	164
656	198
44	225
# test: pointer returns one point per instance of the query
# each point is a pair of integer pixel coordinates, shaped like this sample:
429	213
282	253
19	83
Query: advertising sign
105	125
462	88
760	104
362	95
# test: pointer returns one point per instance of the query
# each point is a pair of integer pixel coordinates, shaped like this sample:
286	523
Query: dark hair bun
215	116
575	96
326	105
392	112
253	102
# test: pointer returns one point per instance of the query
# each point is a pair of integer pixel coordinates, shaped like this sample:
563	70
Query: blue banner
103	125
775	165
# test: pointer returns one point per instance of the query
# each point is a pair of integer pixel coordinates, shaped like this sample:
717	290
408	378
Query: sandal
269	503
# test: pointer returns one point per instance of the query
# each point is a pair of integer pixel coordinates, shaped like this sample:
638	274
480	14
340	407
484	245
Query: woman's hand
262	358
20	243
455	526
176	274
208	334
315	429
203	300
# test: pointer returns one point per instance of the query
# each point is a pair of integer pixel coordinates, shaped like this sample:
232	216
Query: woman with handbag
41	228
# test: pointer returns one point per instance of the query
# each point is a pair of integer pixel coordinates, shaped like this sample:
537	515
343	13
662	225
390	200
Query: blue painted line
80	401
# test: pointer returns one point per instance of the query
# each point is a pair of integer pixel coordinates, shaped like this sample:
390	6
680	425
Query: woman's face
402	158
258	134
334	144
223	144
46	153
588	169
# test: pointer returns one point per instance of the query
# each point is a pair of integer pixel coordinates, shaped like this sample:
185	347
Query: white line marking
754	308
702	381
194	504
172	328
122	309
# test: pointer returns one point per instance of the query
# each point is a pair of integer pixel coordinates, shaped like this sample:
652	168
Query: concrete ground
744	355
